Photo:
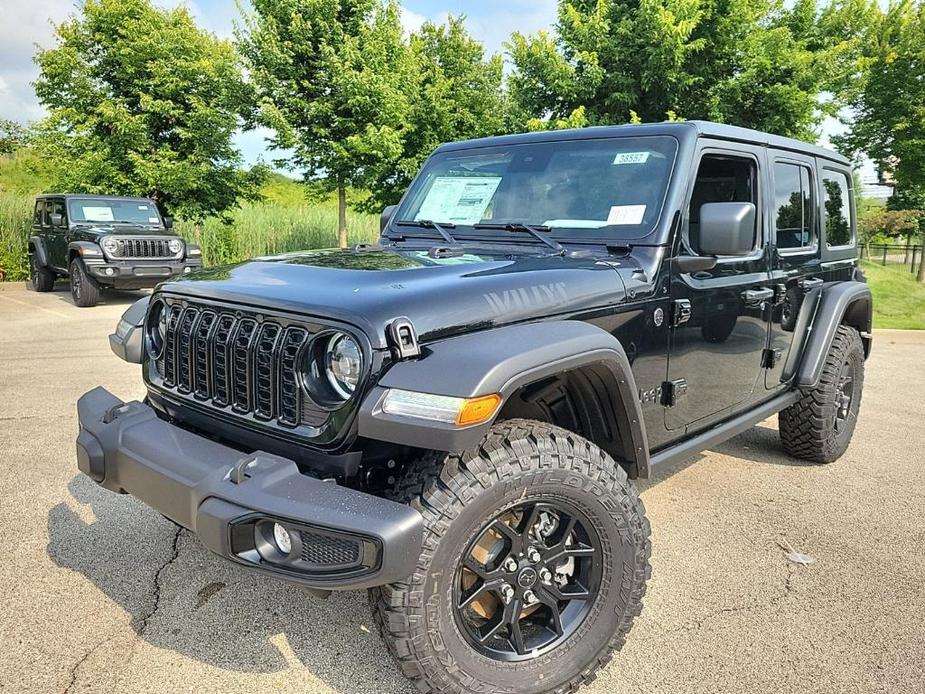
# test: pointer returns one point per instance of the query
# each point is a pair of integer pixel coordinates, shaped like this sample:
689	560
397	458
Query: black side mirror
57	219
168	222
727	228
385	217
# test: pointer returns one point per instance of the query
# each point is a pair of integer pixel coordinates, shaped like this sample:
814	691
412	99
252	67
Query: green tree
12	136
887	122
143	102
455	93
331	80
748	62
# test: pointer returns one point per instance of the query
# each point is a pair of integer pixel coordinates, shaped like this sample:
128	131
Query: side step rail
721	432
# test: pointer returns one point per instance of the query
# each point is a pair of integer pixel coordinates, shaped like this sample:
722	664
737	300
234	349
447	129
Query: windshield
577	188
112	211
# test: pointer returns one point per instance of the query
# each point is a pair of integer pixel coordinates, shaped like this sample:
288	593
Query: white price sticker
626	214
631	158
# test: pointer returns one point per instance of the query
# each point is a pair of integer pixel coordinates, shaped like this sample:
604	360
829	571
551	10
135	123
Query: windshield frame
568	235
78	200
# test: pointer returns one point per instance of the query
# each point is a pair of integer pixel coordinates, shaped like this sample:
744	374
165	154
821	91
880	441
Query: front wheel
84	289
535	562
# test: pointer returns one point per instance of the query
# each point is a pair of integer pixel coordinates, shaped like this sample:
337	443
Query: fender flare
85	249
37	248
502	360
837	303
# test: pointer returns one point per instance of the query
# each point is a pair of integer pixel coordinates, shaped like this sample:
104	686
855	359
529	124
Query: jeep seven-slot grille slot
144	248
238	361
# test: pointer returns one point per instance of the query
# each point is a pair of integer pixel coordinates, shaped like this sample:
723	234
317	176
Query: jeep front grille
143	248
238	361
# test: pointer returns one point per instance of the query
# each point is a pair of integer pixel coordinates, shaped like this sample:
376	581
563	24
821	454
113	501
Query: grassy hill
286	220
899	300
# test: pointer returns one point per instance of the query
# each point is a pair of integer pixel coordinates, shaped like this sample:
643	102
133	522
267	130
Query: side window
793	206
838	229
39	210
721	179
46	213
57	207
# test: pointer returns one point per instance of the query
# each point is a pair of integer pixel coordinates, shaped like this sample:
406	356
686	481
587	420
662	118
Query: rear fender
37	250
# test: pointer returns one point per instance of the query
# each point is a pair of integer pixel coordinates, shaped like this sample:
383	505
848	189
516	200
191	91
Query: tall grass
284	222
15	225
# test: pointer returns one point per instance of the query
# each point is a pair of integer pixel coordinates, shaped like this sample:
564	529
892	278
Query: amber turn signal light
478	410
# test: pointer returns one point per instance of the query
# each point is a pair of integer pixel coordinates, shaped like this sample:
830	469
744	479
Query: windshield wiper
536	231
429	224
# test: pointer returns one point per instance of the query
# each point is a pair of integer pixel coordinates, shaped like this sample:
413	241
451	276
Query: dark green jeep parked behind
104	241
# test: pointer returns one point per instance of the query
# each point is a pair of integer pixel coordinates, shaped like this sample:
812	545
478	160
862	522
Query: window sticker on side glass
626	214
97	214
460	200
630	158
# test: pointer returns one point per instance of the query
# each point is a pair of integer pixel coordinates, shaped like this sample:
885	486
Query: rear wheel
84	289
820	425
41	279
535	562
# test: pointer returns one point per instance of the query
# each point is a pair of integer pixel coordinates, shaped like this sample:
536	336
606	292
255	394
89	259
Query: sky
27	23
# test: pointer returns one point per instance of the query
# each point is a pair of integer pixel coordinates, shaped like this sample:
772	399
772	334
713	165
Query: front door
720	315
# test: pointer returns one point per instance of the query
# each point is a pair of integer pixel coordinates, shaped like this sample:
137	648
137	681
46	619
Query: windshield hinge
403	339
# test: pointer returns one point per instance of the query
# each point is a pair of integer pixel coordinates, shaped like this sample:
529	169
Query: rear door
796	265
57	234
720	322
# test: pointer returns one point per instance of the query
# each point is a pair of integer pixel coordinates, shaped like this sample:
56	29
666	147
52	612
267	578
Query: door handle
755	296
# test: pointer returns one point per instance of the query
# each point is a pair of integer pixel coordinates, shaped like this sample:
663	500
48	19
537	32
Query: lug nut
507	593
533	554
545	575
529	597
510	565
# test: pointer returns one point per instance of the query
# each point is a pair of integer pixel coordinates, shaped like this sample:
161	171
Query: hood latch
403	339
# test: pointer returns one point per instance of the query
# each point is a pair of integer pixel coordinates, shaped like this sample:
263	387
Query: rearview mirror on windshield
727	228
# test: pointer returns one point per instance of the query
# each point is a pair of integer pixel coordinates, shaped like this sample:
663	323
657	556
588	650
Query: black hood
441	296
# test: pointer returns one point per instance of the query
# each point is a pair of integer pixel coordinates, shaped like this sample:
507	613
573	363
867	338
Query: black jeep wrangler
104	241
453	418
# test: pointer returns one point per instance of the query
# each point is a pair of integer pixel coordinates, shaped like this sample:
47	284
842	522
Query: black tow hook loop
114	412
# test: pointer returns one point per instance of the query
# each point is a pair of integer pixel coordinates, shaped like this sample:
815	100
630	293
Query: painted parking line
40	308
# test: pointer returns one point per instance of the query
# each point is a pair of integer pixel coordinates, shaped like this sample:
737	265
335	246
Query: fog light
187	270
281	536
109	272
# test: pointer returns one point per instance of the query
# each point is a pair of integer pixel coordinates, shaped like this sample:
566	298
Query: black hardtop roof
679	129
93	196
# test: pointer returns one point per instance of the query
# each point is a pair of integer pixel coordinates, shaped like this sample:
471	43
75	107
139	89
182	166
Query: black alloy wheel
527	581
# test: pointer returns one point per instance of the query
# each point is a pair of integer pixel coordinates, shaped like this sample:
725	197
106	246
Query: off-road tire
456	493
808	427
41	279
84	289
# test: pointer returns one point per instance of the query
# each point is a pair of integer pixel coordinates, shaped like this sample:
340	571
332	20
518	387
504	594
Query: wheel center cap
527	577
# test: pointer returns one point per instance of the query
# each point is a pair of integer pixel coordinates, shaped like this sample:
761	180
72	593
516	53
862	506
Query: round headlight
110	244
156	329
342	362
175	246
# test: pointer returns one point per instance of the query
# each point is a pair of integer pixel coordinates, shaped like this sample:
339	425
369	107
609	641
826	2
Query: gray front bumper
227	497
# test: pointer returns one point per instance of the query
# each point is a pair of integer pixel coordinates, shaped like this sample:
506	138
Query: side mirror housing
168	222
57	219
385	217
727	228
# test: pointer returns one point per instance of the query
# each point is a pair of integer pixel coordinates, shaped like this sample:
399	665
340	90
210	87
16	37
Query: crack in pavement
156	593
141	622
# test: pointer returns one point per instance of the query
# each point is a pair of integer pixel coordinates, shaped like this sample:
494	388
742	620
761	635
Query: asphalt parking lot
99	593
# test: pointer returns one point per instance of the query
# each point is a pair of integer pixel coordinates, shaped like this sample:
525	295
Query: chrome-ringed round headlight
175	245
156	329
343	362
110	244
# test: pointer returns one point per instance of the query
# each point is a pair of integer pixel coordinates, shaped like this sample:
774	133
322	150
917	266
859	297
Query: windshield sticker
98	214
142	207
153	220
626	214
576	223
631	158
458	200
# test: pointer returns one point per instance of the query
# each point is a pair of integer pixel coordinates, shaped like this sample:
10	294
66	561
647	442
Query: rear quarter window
837	193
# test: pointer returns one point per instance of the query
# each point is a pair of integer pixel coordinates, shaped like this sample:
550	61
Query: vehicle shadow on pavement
108	297
182	597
